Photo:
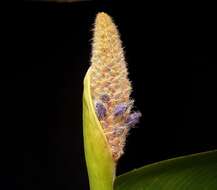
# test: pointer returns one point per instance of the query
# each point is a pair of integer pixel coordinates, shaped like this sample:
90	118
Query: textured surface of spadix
109	78
109	72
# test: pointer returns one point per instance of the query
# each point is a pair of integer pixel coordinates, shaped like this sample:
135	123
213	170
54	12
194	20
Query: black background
46	51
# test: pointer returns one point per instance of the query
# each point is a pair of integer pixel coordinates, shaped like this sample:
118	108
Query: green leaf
192	172
100	164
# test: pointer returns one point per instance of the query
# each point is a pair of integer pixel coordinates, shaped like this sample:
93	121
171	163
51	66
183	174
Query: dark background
45	54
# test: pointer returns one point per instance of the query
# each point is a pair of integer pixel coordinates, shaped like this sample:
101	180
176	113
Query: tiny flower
119	131
105	98
133	119
100	110
120	109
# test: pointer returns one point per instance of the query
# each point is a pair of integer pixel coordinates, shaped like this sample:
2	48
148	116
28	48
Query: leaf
100	165
192	172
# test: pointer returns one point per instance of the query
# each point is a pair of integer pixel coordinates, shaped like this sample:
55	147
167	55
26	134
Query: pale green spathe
100	165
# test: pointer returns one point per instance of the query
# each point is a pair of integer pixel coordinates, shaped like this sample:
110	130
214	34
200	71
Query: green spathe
100	165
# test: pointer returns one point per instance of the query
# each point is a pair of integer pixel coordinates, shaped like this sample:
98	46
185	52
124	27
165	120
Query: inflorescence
110	86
